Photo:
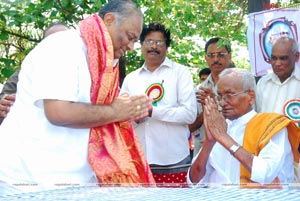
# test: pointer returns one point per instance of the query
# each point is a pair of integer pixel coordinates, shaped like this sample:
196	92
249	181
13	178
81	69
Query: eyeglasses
229	97
217	54
158	43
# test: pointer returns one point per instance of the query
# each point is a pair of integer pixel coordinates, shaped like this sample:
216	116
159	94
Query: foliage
191	23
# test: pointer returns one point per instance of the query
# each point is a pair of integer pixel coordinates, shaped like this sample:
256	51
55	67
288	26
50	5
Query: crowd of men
65	118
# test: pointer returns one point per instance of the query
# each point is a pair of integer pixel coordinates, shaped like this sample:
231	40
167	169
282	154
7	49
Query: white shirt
32	150
275	159
164	136
272	95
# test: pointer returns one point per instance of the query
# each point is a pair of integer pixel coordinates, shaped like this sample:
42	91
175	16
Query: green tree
190	22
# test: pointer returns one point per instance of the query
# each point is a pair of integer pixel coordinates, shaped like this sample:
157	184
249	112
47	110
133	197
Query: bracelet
234	148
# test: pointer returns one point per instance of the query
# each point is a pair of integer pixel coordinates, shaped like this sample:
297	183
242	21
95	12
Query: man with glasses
218	57
248	149
164	133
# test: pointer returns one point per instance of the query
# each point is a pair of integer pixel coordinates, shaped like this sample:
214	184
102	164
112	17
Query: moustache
153	50
216	63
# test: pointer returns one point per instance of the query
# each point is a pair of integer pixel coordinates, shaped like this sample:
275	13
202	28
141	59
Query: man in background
203	74
276	89
218	58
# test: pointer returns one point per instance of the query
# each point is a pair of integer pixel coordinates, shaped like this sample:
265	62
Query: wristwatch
234	148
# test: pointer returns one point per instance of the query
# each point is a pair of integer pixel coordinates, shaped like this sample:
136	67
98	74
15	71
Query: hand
132	107
5	103
206	119
214	120
203	93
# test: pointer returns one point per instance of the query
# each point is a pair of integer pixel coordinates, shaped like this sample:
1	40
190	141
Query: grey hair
295	45
121	9
247	78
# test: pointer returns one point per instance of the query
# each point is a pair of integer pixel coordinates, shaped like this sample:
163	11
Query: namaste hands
214	121
136	107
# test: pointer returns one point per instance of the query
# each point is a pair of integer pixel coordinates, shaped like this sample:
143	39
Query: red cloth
171	180
114	151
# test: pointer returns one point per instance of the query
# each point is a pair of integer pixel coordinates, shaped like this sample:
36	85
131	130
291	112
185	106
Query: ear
229	55
252	95
297	56
109	19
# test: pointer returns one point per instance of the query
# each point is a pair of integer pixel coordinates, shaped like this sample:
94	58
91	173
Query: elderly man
249	148
218	58
68	124
164	133
279	88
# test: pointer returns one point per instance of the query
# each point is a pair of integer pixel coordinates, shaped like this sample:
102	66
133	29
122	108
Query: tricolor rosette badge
292	110
156	92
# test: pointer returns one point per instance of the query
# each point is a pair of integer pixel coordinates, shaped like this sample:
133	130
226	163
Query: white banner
263	28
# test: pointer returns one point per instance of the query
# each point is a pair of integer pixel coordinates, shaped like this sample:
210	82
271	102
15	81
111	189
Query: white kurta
164	136
275	159
34	152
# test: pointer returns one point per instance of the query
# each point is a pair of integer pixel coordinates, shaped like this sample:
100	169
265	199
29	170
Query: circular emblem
292	110
156	92
274	29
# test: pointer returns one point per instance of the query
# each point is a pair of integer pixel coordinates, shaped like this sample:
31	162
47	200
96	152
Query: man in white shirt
8	92
281	86
68	125
164	133
232	152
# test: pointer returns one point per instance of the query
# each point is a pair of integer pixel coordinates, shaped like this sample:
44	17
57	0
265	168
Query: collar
295	73
208	81
243	120
166	63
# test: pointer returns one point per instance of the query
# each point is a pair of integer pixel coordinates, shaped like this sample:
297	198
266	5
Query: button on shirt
164	136
275	159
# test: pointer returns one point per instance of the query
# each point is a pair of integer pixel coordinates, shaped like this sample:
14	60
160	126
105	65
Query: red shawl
114	151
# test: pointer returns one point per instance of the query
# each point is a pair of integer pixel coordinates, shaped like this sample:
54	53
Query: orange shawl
114	151
258	133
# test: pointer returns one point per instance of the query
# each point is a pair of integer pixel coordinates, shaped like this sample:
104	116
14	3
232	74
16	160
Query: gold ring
138	107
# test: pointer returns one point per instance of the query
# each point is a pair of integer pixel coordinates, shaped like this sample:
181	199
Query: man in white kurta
48	154
223	152
224	169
